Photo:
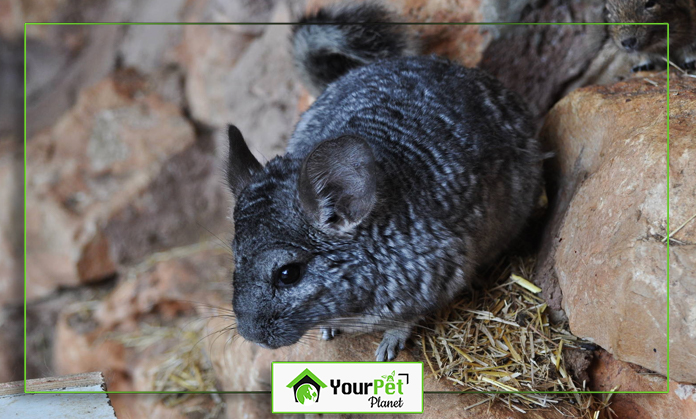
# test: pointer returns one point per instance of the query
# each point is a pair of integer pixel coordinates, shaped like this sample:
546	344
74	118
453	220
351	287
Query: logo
306	387
347	387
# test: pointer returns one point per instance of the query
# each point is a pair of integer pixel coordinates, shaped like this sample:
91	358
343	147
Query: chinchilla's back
458	150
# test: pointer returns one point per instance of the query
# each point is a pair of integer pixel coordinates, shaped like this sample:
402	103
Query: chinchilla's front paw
394	340
645	66
328	333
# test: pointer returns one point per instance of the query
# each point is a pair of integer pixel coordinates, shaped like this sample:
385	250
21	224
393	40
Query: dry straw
501	339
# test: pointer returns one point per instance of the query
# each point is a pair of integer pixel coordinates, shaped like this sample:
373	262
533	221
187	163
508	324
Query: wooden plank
76	381
14	403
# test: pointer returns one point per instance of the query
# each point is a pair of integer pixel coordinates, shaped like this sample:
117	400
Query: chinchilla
404	176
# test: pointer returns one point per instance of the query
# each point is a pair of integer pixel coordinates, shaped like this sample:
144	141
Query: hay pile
501	340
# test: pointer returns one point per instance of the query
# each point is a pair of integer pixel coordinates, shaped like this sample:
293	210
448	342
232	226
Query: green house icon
306	387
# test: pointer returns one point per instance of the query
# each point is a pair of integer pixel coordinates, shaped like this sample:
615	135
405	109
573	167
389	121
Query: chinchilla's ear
240	164
337	184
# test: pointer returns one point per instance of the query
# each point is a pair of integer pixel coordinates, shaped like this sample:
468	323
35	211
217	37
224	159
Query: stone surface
185	202
11	175
147	48
249	84
170	283
603	252
10	339
11	24
10	235
90	197
64	60
608	374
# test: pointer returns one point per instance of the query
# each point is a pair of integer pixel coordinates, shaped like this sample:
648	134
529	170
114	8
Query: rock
244	81
11	191
11	23
12	99
185	203
11	339
11	175
608	374
84	344
170	284
64	60
153	52
114	179
603	252
79	347
148	48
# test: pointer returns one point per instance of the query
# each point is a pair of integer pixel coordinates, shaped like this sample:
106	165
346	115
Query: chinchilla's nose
251	330
630	43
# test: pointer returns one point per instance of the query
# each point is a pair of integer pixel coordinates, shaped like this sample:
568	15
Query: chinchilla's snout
251	324
631	38
255	324
250	328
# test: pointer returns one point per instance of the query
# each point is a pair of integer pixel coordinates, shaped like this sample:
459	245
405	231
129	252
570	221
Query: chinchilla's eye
288	274
650	4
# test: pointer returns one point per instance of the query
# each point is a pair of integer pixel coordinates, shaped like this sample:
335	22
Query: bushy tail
335	39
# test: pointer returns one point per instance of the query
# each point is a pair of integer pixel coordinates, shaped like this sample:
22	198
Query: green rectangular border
292	23
351	362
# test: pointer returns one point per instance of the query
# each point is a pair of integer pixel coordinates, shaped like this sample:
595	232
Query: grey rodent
404	176
650	41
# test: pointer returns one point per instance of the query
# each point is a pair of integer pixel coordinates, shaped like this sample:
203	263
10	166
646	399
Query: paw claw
328	333
392	342
643	67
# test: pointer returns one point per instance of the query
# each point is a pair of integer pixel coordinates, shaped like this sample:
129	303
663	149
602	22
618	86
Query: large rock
609	374
604	260
244	75
149	48
120	175
63	60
